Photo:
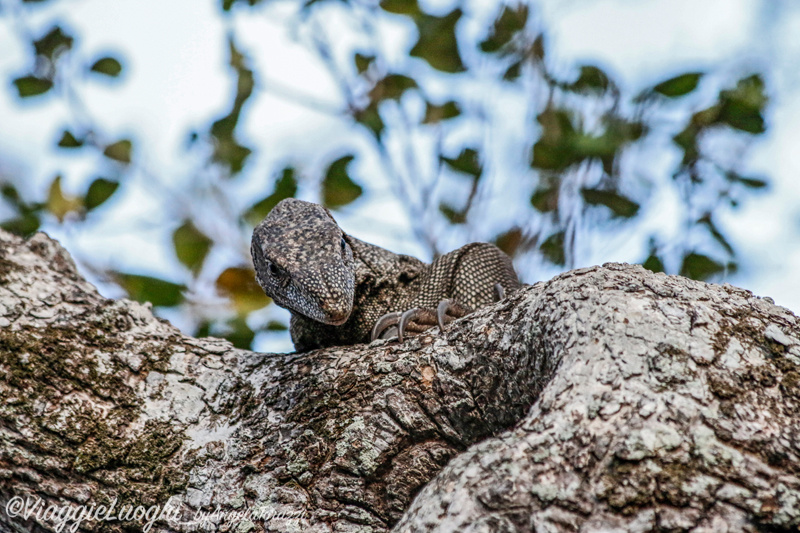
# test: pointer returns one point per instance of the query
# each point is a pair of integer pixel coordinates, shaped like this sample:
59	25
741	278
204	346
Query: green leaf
159	292
537	50
509	241
227	150
233	154
191	245
687	140
753	183
679	85
553	249
274	325
437	43
653	263
108	66
119	151
26	224
337	187
700	267
550	156
742	107
99	191
401	7
391	87
545	199
363	62
468	162
513	72
591	79
285	187
68	140
455	216
619	205
436	113
603	147
240	285
32	86
510	21
370	118
60	204
11	194
561	145
228	4
553	150
53	43
203	330
239	333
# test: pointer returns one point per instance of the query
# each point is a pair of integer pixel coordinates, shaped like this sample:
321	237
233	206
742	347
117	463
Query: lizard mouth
336	318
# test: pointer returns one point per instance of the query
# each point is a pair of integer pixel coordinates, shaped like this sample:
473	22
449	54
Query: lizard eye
273	269
343	244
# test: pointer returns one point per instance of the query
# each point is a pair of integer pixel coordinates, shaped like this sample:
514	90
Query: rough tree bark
607	399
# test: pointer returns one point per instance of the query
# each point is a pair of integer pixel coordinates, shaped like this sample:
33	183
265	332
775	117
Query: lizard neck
371	261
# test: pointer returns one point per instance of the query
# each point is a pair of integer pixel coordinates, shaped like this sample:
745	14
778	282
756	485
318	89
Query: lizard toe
404	321
384	324
420	319
449	310
499	292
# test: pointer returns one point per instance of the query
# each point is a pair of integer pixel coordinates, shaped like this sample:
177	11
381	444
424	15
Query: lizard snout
336	313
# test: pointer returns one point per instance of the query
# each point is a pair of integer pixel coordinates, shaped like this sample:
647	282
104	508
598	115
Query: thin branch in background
418	212
304	99
398	180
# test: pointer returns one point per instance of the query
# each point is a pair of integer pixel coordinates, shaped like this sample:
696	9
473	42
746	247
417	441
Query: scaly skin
337	286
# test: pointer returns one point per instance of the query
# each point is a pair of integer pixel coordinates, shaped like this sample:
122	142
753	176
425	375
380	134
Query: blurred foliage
159	292
227	150
107	66
583	127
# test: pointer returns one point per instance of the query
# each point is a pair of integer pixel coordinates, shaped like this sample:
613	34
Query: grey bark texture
607	399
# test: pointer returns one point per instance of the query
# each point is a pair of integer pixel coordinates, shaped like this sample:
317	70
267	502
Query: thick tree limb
103	401
675	408
664	402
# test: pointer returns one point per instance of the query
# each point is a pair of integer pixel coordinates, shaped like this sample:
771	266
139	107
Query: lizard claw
383	324
449	310
418	319
499	292
441	312
415	320
404	319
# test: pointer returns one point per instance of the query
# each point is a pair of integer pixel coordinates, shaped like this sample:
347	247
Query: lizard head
304	262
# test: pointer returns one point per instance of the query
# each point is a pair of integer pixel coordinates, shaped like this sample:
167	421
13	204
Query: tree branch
661	401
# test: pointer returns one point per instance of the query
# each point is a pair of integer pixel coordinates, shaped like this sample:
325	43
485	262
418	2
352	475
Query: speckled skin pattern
337	286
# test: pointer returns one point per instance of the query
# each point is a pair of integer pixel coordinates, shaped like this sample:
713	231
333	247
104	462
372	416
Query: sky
176	79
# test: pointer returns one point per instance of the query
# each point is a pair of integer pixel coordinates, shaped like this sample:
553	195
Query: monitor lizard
341	290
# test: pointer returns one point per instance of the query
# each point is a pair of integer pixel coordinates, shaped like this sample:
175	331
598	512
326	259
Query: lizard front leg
417	320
